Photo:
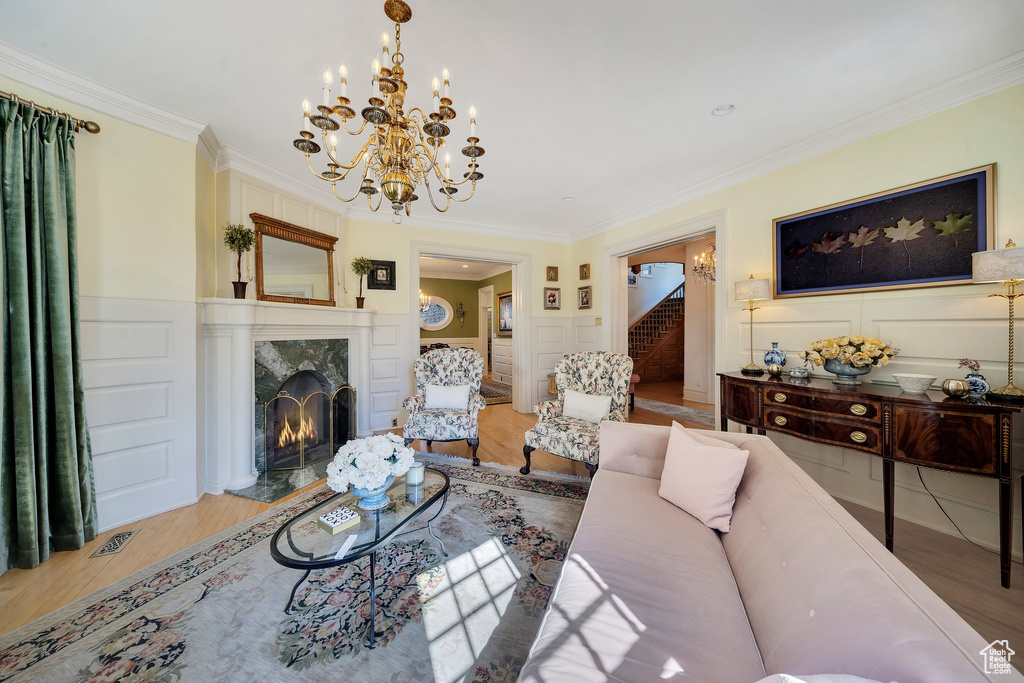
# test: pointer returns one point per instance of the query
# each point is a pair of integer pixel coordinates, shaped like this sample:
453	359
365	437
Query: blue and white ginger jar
977	385
775	355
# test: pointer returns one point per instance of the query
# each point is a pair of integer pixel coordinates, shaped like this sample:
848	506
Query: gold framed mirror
294	265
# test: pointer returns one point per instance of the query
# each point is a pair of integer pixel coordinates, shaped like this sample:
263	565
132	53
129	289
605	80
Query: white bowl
914	384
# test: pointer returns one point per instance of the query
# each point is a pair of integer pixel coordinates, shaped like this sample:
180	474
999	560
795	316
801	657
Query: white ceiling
459	270
608	102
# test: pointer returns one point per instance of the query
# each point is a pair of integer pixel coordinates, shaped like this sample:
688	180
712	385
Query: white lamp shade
747	290
998	265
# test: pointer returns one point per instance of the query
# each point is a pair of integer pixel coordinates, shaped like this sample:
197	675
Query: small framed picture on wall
382	276
585	271
631	280
552	299
552	273
645	270
505	314
584	295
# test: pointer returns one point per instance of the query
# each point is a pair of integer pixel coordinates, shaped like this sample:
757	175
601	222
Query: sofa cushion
823	595
701	479
646	594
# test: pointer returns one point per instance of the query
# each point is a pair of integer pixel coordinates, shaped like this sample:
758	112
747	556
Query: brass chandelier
403	149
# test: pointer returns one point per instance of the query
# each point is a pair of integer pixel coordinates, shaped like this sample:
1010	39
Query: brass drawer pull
781	420
780	397
858	409
859	437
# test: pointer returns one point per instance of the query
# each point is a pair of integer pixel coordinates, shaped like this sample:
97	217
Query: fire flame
288	436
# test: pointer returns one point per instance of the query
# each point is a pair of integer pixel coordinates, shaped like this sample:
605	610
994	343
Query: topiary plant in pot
361	266
239	239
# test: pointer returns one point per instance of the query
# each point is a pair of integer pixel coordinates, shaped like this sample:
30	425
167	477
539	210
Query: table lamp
1006	266
752	290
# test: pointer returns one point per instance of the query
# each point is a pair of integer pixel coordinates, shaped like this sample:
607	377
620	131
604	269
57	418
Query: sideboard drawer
783	396
851	409
861	437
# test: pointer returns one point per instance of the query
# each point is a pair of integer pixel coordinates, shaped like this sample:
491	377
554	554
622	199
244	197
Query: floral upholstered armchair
592	373
446	368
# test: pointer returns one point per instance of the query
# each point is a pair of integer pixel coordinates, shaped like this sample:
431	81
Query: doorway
665	319
458	298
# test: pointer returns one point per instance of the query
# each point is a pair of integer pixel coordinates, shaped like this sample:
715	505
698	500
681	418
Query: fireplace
307	421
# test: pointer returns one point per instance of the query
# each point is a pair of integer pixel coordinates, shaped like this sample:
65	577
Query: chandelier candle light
1006	266
404	149
704	265
752	290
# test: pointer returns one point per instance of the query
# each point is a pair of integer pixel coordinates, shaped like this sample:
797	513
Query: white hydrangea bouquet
369	464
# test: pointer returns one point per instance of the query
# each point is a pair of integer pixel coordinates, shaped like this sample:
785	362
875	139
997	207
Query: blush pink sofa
648	593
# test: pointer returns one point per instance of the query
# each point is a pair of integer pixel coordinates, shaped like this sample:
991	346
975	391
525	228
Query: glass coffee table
302	544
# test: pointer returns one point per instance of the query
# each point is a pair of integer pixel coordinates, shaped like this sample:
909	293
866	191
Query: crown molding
460	225
208	145
234	159
497	270
990	78
58	81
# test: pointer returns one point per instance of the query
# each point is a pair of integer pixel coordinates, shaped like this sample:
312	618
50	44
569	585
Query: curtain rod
87	126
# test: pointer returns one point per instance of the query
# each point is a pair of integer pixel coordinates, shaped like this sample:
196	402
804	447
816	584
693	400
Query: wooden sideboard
966	436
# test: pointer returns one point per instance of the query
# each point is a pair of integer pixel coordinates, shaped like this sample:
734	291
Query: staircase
656	340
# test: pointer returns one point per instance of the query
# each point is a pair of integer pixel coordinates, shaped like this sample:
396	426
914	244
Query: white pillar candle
414	477
447	85
343	79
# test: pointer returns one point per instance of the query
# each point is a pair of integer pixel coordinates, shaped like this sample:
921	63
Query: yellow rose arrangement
854	349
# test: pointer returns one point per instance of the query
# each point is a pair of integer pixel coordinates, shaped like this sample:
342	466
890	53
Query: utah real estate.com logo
997	657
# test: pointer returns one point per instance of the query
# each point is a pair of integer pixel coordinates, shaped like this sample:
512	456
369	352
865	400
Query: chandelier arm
468	196
317	173
369	201
334	160
334	188
430	196
344	125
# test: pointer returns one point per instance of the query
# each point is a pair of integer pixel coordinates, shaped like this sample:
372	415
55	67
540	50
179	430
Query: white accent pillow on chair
589	407
436	397
702	479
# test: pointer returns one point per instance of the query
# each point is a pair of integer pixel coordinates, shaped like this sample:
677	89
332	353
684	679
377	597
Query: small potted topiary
361	266
239	239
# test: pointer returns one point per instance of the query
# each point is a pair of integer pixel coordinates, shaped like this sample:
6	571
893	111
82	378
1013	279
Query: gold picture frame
584	271
552	273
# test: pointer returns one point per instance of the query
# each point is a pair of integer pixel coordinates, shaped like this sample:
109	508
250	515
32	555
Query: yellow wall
136	207
979	132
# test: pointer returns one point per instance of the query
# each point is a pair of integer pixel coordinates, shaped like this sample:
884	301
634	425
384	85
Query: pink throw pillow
702	479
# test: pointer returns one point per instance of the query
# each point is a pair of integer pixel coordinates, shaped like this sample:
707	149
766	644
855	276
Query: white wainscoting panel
932	331
391	378
552	339
139	367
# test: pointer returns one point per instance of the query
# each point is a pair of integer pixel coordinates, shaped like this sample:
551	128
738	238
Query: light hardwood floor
669	392
966	577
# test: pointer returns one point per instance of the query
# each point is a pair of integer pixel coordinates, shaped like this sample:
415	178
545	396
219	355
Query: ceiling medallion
403	149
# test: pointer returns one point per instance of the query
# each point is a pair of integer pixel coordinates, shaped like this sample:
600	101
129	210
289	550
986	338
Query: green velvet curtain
47	494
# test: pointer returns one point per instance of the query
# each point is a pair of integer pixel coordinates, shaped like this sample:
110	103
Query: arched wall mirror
437	315
293	264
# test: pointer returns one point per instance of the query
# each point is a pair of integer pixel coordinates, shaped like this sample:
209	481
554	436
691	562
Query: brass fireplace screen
304	423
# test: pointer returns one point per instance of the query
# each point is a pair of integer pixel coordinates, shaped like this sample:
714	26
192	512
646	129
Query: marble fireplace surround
231	327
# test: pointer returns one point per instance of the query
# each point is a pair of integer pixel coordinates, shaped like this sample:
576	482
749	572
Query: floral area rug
215	611
495	393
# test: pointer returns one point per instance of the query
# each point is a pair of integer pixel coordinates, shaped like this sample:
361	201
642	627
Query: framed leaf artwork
919	235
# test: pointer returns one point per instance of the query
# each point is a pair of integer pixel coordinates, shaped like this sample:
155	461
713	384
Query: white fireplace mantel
231	326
